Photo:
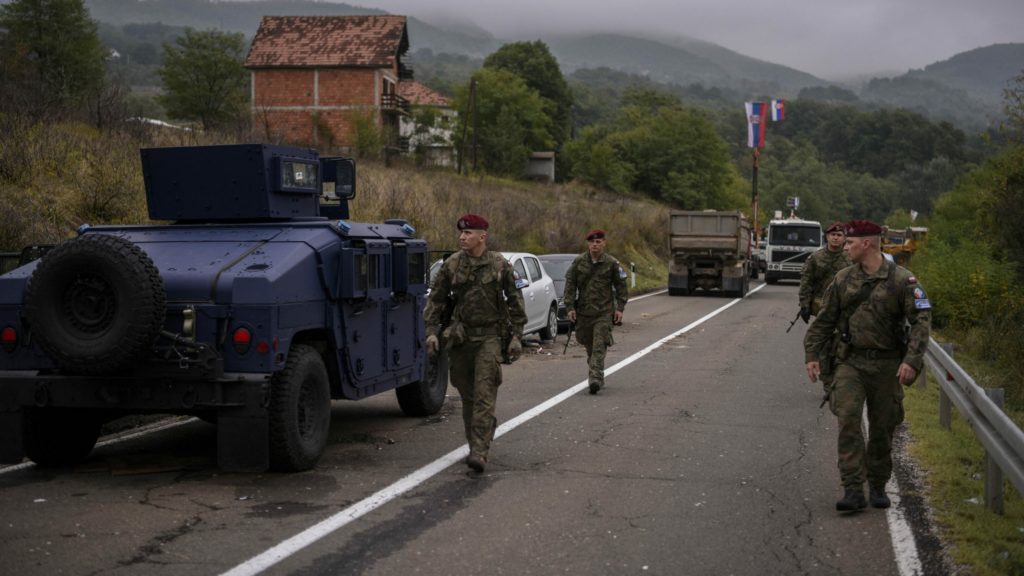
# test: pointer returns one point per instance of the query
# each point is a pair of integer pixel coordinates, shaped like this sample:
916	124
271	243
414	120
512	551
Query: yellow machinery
903	243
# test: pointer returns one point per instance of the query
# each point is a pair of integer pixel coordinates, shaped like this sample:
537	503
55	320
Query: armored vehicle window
362	272
417	266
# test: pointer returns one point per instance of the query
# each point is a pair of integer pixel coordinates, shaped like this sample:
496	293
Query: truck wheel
753	271
427	396
300	411
550	330
59	436
769	279
95	304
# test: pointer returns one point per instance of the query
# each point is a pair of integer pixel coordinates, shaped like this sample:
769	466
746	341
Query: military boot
594	386
852	500
476	463
879	499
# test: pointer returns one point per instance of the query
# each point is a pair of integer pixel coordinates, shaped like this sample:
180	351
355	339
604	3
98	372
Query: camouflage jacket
819	269
481	291
877	323
595	288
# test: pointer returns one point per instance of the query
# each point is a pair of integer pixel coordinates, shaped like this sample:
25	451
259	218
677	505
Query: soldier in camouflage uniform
868	305
595	296
819	270
475	297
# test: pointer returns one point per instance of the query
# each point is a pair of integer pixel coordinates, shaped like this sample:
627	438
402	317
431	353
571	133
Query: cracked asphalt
707	456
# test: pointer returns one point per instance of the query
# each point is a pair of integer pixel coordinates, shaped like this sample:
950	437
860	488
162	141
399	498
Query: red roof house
317	80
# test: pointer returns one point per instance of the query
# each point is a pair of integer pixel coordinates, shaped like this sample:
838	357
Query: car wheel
95	304
300	411
550	330
426	397
59	436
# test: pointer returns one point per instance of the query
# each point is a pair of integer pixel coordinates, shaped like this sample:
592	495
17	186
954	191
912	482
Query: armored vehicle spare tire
95	304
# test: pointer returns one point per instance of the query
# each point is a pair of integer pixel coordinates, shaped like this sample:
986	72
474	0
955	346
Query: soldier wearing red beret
860	328
595	297
820	268
462	302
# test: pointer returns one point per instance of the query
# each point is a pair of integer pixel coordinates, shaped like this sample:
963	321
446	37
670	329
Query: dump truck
710	251
251	301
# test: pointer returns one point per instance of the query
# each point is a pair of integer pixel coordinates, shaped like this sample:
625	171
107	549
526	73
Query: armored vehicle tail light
9	338
262	347
241	339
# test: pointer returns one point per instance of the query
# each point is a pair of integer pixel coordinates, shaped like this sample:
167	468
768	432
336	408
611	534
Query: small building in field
541	166
329	81
428	132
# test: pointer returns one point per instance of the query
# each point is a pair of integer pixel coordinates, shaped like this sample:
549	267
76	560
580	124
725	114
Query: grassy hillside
60	176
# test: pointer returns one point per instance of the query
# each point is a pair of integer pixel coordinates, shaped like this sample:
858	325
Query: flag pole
754	200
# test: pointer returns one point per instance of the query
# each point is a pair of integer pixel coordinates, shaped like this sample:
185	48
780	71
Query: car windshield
556	268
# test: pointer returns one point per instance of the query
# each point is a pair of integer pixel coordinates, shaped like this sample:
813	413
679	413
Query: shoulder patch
911	279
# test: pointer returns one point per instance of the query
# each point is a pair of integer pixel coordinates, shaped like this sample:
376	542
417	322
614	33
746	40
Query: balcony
394	104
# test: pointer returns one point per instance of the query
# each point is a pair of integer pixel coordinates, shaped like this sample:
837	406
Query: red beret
836	227
594	234
472	222
859	228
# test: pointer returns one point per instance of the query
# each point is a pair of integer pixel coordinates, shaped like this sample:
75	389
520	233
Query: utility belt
481	330
874	353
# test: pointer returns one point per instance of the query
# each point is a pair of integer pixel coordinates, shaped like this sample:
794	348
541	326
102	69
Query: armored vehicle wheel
550	330
426	397
300	411
95	304
59	436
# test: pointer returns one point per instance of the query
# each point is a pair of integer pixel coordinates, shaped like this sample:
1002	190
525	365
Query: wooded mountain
965	89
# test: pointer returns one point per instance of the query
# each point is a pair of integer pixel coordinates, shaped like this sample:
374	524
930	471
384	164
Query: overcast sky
831	39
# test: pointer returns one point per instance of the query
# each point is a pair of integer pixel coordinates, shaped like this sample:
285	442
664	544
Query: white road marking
307	537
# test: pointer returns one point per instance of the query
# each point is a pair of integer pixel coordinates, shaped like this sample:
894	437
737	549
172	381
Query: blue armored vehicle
253	306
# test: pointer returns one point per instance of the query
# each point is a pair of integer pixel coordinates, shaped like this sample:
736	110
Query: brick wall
287	100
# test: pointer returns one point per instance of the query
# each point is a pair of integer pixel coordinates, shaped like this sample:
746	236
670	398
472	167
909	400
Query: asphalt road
705	455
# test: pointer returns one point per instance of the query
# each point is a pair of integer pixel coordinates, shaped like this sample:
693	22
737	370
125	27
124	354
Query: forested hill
965	90
983	72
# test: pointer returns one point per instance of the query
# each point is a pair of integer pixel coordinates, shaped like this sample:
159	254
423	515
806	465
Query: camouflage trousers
476	373
873	382
595	334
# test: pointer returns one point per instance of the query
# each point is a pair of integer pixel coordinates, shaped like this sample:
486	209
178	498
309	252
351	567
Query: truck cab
788	243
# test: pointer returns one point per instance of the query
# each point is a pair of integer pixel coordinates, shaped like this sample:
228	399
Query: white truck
709	250
789	242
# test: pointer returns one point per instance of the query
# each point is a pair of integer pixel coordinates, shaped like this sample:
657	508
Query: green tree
204	78
533	62
51	59
506	119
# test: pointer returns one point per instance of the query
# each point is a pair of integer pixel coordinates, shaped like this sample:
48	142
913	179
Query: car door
543	285
533	318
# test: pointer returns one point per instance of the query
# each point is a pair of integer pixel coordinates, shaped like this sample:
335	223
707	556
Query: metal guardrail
1002	439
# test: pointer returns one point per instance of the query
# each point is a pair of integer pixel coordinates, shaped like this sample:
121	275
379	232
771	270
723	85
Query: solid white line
904	547
903	544
307	537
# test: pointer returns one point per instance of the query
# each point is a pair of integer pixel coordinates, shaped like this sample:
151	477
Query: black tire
550	330
427	396
300	411
753	270
58	437
770	279
95	304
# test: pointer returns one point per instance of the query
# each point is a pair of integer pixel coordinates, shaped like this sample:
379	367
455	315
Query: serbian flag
778	110
756	119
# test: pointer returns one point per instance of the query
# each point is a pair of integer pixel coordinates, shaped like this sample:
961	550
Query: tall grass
55	177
